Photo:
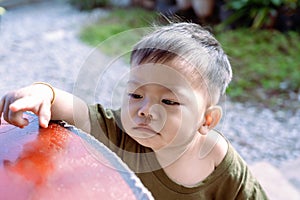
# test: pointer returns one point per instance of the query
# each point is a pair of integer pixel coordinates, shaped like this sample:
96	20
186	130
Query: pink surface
52	163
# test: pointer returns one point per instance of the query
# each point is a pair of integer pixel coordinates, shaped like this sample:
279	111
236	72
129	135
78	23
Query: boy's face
161	109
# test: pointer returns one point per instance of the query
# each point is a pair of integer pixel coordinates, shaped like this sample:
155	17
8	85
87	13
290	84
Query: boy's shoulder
215	146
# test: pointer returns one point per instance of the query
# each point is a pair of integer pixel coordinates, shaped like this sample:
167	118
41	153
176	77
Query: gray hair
195	45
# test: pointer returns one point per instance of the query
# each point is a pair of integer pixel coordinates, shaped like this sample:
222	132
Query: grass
265	63
105	34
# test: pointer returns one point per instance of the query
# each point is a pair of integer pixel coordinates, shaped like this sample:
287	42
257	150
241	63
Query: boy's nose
145	111
145	115
153	113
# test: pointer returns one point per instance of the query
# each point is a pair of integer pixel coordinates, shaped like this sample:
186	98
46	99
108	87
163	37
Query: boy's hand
35	98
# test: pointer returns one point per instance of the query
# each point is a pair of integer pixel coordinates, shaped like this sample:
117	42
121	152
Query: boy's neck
172	154
188	169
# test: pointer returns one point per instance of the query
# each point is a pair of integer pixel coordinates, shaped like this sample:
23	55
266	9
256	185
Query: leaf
276	2
260	18
237	4
232	18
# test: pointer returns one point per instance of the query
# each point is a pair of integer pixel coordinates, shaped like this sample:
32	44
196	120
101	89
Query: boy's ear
212	117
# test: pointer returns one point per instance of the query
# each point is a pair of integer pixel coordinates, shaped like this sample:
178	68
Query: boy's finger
1	105
5	110
44	115
1	108
17	119
25	104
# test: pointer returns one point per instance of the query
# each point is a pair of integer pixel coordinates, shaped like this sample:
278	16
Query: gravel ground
39	43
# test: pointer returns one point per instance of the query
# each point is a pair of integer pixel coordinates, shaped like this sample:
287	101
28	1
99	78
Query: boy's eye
135	96
170	102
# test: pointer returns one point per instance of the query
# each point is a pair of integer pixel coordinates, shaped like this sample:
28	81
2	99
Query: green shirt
230	180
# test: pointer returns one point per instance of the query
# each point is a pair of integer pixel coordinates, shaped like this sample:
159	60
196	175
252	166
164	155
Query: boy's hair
193	44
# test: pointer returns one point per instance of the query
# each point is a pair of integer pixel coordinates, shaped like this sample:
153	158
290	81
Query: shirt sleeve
105	125
247	186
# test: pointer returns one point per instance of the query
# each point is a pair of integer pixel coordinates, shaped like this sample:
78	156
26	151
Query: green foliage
105	33
265	63
88	4
239	4
257	13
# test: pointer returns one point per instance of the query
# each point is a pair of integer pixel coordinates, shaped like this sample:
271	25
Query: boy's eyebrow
134	82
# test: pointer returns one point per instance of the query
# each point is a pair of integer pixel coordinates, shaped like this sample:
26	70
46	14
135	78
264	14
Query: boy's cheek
189	120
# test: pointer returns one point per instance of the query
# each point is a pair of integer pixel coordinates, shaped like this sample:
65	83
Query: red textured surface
54	163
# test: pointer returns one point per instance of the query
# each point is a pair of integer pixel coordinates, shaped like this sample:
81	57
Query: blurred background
260	36
58	41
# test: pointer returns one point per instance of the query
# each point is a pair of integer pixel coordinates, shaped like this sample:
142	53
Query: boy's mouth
146	130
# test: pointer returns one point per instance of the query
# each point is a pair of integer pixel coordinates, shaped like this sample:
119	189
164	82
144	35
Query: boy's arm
47	103
71	109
